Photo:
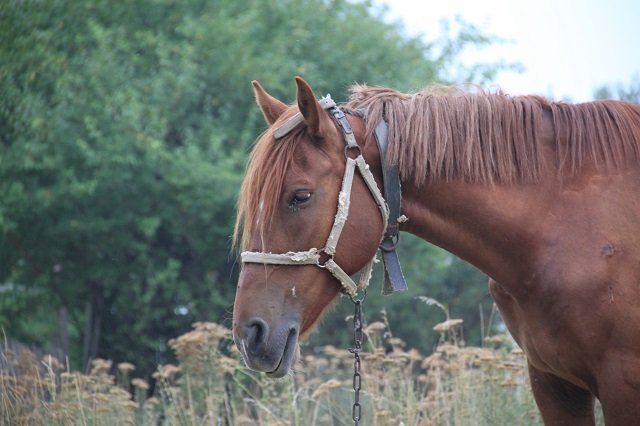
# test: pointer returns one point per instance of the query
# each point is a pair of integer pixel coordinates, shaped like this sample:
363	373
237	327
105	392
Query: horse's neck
494	227
488	226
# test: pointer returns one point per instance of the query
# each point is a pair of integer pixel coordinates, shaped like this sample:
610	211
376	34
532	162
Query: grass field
455	385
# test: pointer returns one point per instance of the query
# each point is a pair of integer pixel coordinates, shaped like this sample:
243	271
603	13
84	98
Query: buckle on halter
341	118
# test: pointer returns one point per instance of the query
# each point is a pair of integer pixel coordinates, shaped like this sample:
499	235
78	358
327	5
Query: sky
568	48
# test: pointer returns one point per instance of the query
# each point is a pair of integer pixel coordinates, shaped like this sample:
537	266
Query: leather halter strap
313	256
393	277
280	132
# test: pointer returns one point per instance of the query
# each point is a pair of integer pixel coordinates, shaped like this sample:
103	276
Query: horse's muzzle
268	349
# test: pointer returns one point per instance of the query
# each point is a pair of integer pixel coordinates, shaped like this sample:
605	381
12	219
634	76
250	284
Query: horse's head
287	207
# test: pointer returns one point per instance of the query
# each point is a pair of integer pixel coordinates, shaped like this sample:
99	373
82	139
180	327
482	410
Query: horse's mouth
288	356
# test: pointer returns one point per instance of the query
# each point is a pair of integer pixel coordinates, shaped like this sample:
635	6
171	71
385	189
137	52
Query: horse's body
550	211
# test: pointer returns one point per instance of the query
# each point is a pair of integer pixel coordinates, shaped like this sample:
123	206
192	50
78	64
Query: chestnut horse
544	197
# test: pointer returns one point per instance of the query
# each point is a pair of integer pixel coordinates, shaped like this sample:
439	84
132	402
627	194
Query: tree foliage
628	93
125	130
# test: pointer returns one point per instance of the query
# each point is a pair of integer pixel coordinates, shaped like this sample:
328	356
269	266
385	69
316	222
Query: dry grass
455	385
44	392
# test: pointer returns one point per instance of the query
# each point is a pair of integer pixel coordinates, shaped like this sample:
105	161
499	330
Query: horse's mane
445	133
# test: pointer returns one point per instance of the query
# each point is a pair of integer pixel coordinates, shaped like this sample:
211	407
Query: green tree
125	127
628	93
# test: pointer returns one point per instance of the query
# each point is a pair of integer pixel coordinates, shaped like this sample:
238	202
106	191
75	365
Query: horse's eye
299	197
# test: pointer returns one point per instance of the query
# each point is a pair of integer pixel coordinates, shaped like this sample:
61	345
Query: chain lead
357	378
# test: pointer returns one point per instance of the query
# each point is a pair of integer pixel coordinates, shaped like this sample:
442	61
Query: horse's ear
313	114
271	107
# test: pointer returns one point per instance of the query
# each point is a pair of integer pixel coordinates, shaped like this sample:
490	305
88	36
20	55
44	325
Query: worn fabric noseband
314	256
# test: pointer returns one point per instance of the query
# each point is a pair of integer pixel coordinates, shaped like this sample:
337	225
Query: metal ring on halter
395	241
353	296
323	265
347	148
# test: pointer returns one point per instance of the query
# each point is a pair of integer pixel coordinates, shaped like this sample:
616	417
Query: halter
314	256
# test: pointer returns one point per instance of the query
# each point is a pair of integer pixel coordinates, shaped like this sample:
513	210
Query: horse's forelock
262	185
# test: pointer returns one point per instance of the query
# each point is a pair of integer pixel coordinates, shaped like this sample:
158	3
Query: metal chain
357	378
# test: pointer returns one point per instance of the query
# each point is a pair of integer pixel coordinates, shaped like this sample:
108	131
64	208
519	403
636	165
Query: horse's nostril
257	331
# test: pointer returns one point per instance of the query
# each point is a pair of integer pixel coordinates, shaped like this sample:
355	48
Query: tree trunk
92	326
86	343
61	337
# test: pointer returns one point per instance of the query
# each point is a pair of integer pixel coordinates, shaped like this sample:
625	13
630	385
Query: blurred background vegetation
124	131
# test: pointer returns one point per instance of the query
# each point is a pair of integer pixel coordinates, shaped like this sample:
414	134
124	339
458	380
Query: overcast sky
569	48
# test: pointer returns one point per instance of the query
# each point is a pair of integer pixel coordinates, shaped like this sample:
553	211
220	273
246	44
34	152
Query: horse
542	196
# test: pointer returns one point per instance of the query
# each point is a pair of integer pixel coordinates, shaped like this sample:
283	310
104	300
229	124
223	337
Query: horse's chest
551	346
